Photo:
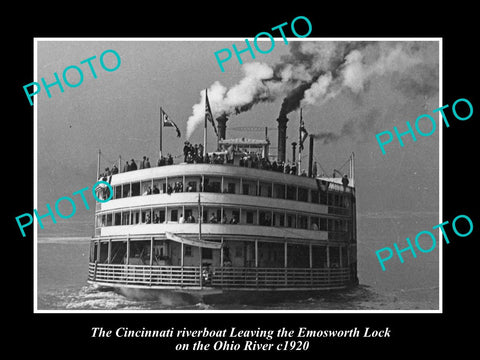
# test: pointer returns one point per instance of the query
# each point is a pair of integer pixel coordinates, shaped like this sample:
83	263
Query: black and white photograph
267	184
261	186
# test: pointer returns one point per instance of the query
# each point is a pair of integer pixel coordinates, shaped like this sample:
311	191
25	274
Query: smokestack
310	157
282	137
294	146
222	126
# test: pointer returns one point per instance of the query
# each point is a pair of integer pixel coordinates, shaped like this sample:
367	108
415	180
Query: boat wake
363	297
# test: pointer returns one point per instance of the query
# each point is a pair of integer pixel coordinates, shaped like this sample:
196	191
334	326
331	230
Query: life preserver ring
102	190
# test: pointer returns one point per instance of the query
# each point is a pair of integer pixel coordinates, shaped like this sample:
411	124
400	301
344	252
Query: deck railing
218	277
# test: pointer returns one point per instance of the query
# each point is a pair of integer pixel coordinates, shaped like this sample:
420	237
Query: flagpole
300	143
205	129
161	132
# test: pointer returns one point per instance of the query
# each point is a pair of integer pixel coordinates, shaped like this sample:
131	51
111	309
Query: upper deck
247	196
227	184
228	170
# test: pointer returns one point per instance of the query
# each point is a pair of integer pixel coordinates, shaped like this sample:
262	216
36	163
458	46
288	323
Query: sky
361	89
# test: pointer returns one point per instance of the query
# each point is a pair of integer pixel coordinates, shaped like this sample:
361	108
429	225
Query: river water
413	285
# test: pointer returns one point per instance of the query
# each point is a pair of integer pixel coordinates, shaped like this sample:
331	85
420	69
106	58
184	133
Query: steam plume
315	72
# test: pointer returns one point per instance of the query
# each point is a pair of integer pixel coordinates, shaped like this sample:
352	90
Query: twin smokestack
282	133
282	138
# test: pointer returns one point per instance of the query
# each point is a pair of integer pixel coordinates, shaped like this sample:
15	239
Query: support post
151	253
128	250
109	257
328	256
286	262
310	257
256	253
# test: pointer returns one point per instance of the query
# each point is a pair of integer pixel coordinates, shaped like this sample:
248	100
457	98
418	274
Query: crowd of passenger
193	154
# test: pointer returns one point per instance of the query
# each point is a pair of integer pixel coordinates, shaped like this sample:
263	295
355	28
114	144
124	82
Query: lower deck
159	263
225	278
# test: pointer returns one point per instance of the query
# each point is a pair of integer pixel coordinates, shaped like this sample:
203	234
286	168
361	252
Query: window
302	194
157	186
126	190
323	224
330	199
126	218
235	217
135	217
302	222
331	225
136	189
265	189
265	218
315	196
278	219
146	216
174	215
212	185
146	187
323	198
249	187
117	218
291	221
109	219
291	192
249	217
336	200
188	250
279	191
231	188
118	191
158	216
192	186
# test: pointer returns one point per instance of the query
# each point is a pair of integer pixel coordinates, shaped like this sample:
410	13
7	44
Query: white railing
218	277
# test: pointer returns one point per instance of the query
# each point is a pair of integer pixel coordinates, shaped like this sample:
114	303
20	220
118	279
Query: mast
353	167
161	132
300	145
205	131
98	163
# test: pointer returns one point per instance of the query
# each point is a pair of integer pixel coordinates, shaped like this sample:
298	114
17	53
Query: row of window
223	184
222	215
234	253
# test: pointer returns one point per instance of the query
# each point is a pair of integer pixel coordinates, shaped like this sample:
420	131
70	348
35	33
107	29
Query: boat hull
208	295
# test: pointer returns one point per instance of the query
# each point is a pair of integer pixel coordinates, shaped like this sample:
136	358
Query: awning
193	242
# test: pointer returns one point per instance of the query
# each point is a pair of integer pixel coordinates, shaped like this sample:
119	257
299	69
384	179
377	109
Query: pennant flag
208	113
303	132
167	122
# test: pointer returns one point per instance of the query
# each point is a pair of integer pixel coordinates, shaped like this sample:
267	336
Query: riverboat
225	227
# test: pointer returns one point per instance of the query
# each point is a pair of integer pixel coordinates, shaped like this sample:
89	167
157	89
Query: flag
208	113
303	132
167	122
